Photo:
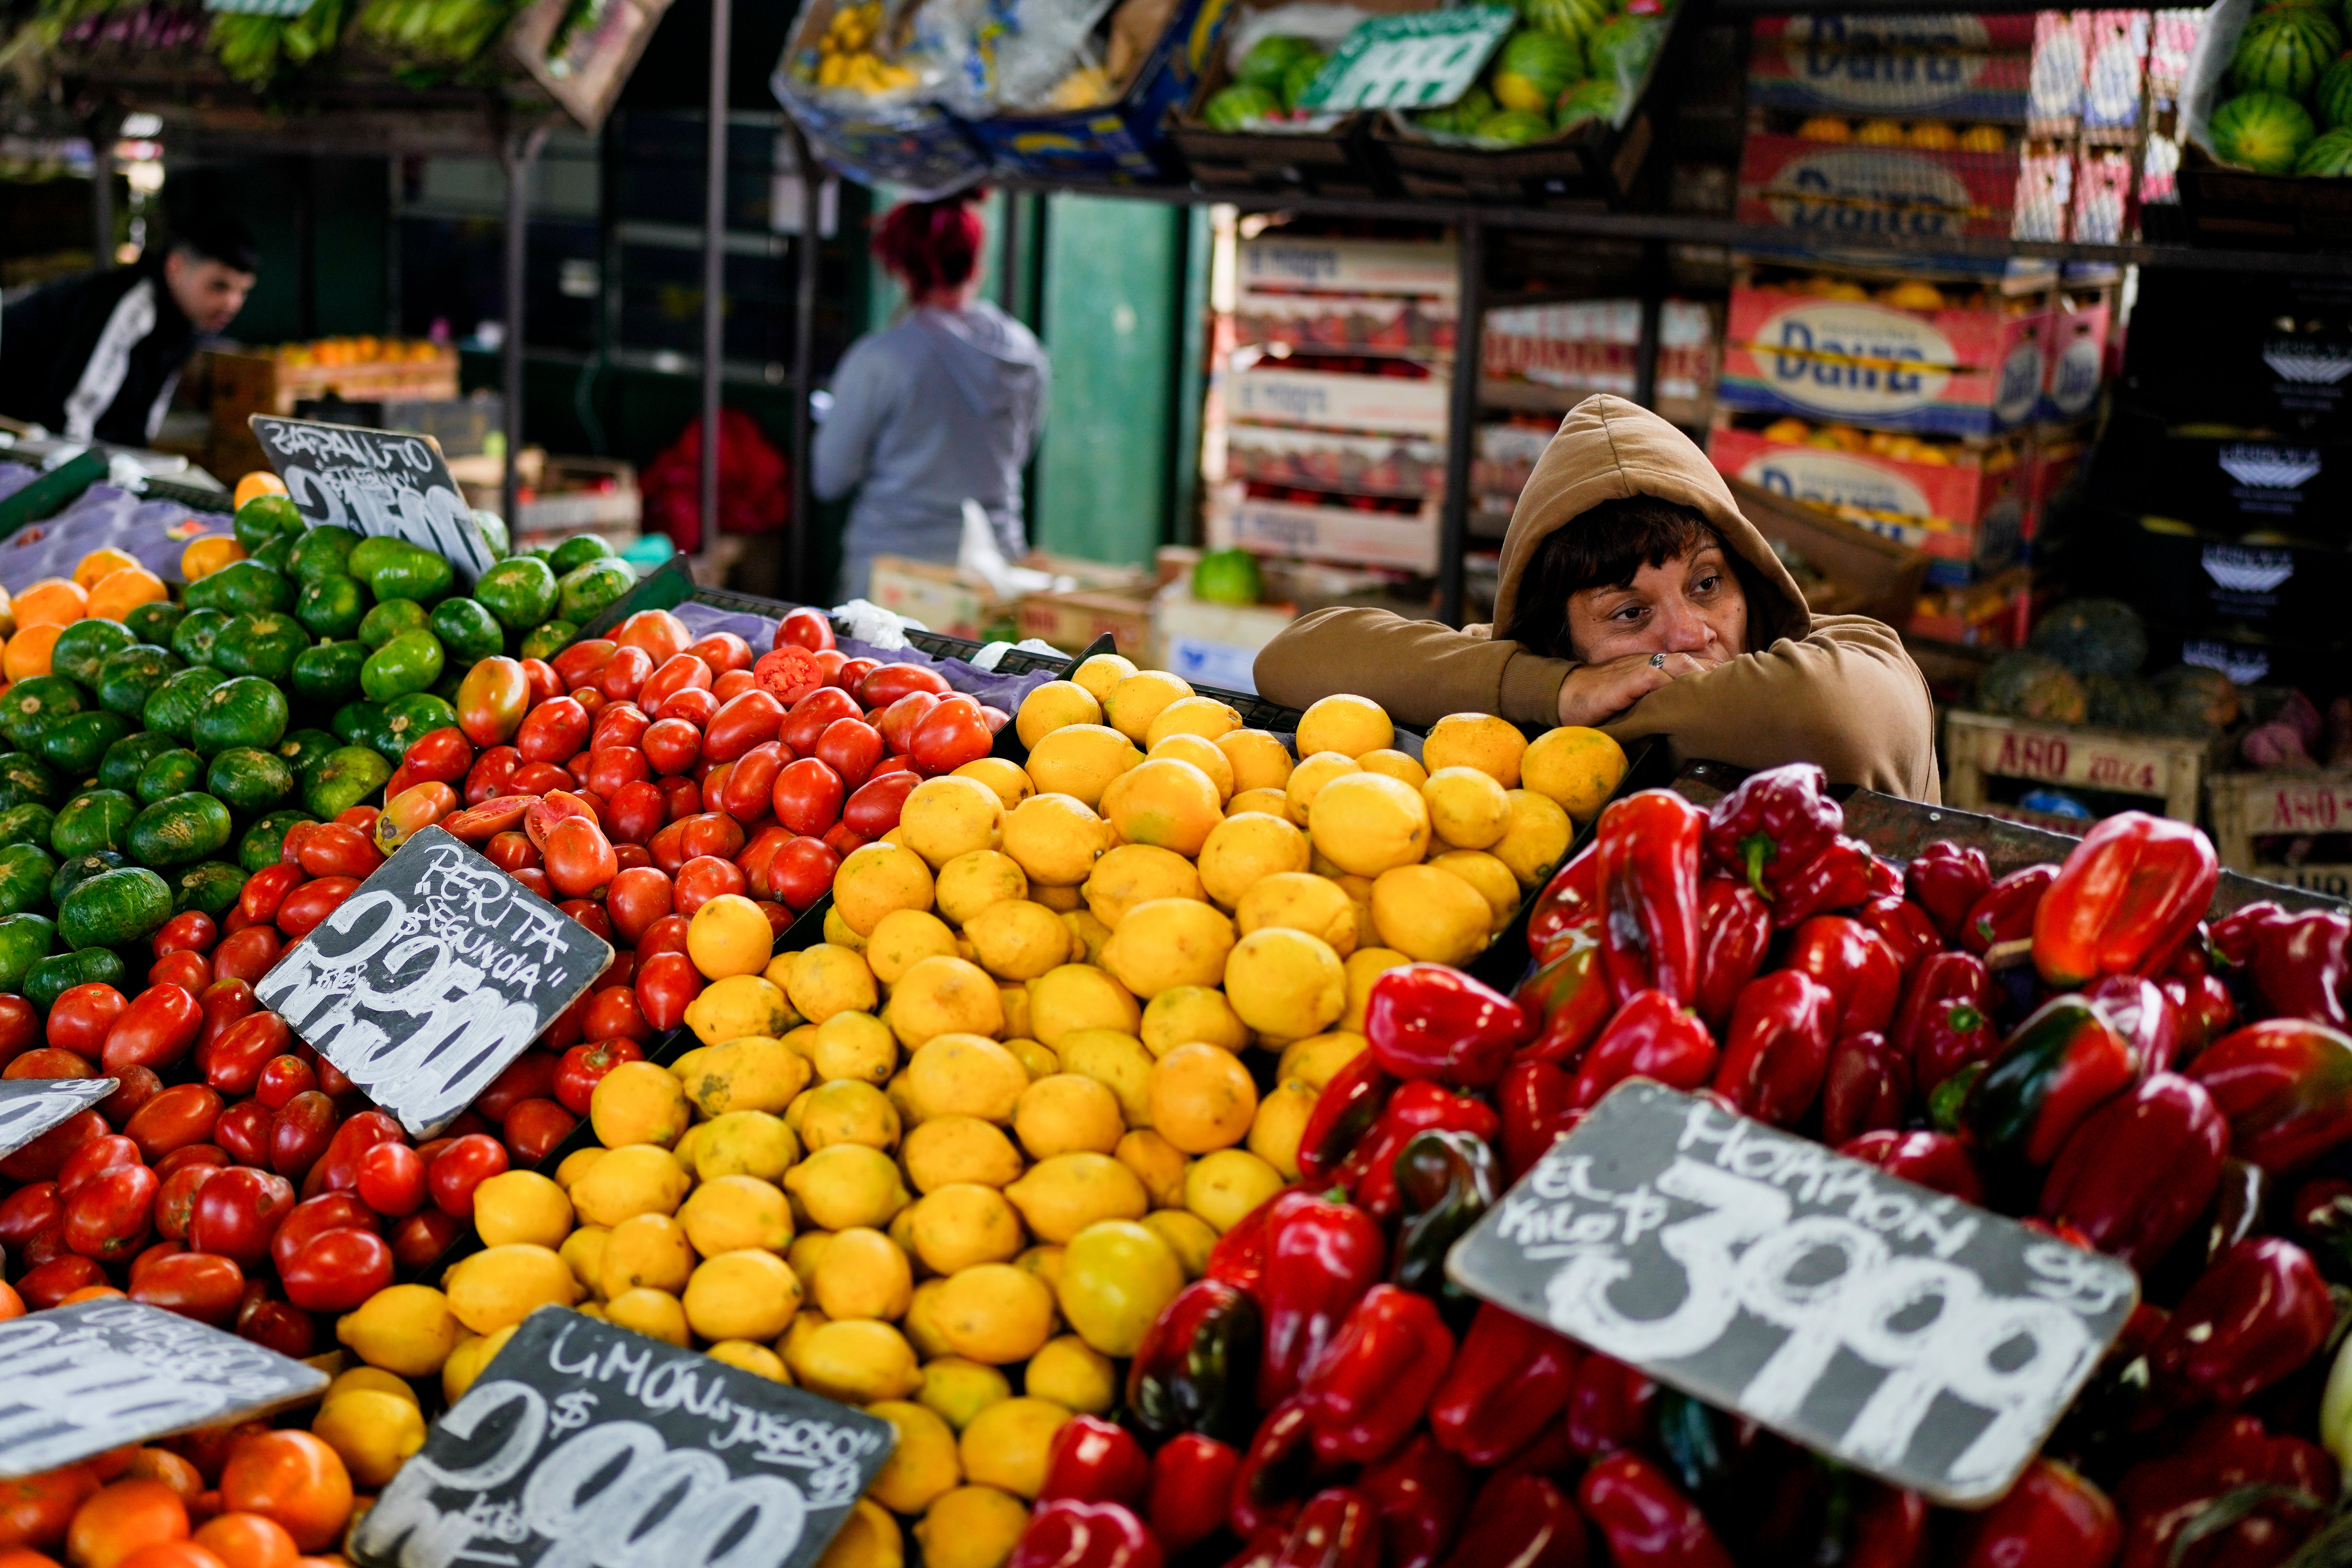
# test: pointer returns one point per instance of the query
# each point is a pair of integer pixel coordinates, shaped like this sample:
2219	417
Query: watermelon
1300	76
2333	96
2263	131
1595	97
1514	127
1568	18
2284	52
1532	70
1270	60
2033	686
1622	46
1239	108
2329	155
1460	116
2093	636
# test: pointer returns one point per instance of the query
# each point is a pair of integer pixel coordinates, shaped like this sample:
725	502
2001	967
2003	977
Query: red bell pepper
1415	1108
1067	1532
1350	1102
2062	1063
1569	998
2259	1311
1868	1088
2005	912
1946	879
1197	1366
1239	1255
1649	864
1510	1381
1647	1521
1842	877
1779	1048
1420	1492
1339	1528
1322	1256
1608	1405
2124	901
1906	929
1372	1385
1886	878
1856	964
1570	903
1446	1181
1522	1522
1935	1159
2140	1169
1734	926
2203	1005
1278	1471
2285	1084
1946	1021
1772	826
1890	1531
1536	1113
2137	1008
1652	1036
1431	1021
1191	1478
2053	1518
2165	1500
1264	1546
1095	1461
2300	965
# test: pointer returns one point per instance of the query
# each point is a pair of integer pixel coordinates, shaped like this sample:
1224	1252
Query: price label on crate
1422	60
387	482
31	1106
79	1380
1894	1329
583	1443
431	977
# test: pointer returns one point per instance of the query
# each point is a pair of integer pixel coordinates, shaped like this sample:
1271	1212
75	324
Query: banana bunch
847	56
445	32
253	48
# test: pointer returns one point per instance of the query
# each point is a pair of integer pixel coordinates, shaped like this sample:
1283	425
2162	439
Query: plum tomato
263	891
312	902
529	1075
20	1027
616	767
391	1179
657	632
666	983
50	1062
283	1077
535	1127
175	1200
300	1131
711	833
951	734
37	1207
666	934
680	672
850	747
156	1030
843	842
805	628
314	1218
853	673
750	780
456	1171
635	812
243	1131
582	661
335	850
238	1214
337	1271
511	850
638	897
900	719
180	1115
204	1286
703	878
190	931
742	723
681	798
873	810
81	1018
95	1158
672	746
248	954
580	862
620	724
424	1237
589	913
628	854
39	1159
134	1087
722	651
613	1010
813	715
233	1062
492	698
491	774
889	682
534	879
802	872
697	706
225	1002
552	730
807	797
338	1169
624	675
792	673
443	755
734	684
188	969
110	1215
576	1076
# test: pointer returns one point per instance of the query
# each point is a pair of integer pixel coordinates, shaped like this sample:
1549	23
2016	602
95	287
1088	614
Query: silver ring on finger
1657	661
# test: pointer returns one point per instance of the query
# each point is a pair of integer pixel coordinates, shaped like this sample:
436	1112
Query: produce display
2290	106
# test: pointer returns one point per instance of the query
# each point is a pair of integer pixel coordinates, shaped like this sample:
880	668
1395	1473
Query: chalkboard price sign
387	482
1897	1330
77	1380
431	977
581	1443
31	1106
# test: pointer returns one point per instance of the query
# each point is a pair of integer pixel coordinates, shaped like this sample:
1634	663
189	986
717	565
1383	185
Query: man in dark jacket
96	356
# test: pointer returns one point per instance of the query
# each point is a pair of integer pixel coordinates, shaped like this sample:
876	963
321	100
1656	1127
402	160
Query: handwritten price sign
1899	1330
385	482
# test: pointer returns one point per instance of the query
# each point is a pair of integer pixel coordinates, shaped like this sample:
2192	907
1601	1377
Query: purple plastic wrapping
14	476
154	533
1002	692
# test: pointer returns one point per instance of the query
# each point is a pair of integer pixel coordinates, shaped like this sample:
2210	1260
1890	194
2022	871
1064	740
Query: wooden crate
2247	807
2170	769
246	384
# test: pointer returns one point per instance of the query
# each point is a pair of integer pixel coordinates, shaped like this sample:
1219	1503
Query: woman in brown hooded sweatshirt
1634	597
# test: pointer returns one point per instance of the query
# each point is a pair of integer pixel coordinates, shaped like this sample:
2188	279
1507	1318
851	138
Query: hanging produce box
2266	116
1360	534
1941	65
2275	352
1329	460
2075	362
859	77
2231	484
1100	119
1833	179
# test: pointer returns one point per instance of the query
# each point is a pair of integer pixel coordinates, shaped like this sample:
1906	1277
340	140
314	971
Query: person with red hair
940	407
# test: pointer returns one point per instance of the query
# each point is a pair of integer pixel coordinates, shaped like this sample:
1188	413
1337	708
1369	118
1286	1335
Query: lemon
1060	900
1369	823
1051	707
637	1102
1002	774
1244	848
1183	1015
923	1463
1156	1163
944	817
1493	746
756	1358
1271	802
837	932
1280	1123
465	1362
1080	760
962	1224
1396	765
1224	1187
1116	1277
1287	983
1055	838
1045	1263
1490	876
1365	966
960	1149
1035	1059
1204	717
902	938
744	1143
1309	779
1102	672
1061	1196
805	1253
1259	760
729	935
875	878
733	1212
996	1313
972	1527
1018	938
1201	1099
651	1250
1067	1113
857	1362
1347	724
1119	1063
857	1046
1188	1236
1575	768
1079	997
737	1006
1166	943
922	1323
862	1274
1467	809
583	1253
1137	873
1315	1059
638	1178
972	882
406	1329
823	980
501	1285
753	1074
965	1075
743	1295
369	1379
522	1206
1536	840
1087	936
1200	753
941	997
957	1389
657	1314
575	1165
1429	914
1136	702
848	1110
868	1538
847	1184
1072	1372
1166	803
1007	1445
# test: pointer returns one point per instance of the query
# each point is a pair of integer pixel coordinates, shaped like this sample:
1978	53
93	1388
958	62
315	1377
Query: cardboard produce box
1269	393
1938	65
274	381
1211	645
1861	574
1405	541
1835	188
1072	620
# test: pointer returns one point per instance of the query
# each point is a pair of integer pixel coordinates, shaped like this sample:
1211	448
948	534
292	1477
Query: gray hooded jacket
940	405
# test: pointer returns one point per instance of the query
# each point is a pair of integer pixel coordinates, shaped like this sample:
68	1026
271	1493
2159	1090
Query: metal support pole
714	261
809	257
1645	346
518	149
1462	420
103	127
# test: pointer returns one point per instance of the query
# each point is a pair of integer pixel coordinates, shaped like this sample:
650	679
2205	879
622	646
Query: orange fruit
164	1466
294	1479
120	593
171	1555
25	1557
260	483
112	1465
123	1517
28	653
247	1540
52	601
11	1306
36	1509
93	567
94	1293
205	556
